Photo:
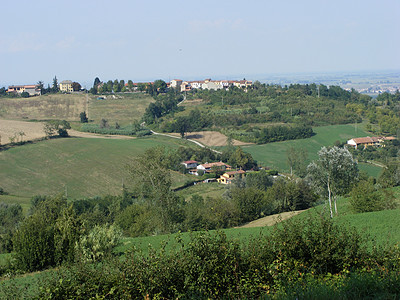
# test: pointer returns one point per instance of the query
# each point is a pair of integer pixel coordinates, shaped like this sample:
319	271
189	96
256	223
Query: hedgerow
308	258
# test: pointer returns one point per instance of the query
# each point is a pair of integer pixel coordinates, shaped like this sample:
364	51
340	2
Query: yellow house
66	86
227	177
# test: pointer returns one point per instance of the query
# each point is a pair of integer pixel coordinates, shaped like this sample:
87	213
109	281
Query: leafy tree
76	86
83	117
47	237
260	180
182	125
390	176
130	85
10	216
296	159
249	203
333	173
160	86
151	181
241	159
54	127
365	197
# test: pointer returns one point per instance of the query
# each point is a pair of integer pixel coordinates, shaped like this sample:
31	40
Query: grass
274	154
124	109
78	166
213	190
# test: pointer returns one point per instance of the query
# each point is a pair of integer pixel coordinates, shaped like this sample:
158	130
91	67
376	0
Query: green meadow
274	154
124	108
79	167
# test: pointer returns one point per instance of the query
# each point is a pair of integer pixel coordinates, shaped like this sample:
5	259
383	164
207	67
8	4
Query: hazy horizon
166	40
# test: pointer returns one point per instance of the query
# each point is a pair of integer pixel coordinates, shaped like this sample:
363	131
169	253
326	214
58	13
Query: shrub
47	237
98	243
317	245
366	197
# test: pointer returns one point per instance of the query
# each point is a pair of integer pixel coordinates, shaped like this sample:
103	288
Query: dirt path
75	133
272	220
211	138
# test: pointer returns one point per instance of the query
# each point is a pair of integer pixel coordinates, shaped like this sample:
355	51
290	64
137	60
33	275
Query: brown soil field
272	220
34	130
52	106
10	129
210	138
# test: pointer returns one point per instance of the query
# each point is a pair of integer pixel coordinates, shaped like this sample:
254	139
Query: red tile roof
216	164
190	162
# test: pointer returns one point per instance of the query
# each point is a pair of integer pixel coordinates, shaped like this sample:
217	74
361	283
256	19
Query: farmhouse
227	177
190	164
66	86
208	167
369	141
32	89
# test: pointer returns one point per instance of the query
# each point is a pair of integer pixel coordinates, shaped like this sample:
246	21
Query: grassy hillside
81	167
274	154
124	108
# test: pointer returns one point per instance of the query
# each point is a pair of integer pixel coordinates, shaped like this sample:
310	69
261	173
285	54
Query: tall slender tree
55	88
333	173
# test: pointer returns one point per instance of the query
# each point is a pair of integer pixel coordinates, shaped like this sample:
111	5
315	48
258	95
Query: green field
124	109
213	190
78	166
274	154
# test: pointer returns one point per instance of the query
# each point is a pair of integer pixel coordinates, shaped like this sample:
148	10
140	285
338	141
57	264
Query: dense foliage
298	254
239	111
115	130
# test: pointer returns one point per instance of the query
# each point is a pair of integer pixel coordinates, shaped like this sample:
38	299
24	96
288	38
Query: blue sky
147	40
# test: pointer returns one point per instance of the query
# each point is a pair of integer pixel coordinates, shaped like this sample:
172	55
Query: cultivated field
81	167
20	130
54	106
123	108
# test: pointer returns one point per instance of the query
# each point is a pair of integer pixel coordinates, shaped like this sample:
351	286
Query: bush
98	243
2	191
309	258
316	245
366	197
46	238
127	130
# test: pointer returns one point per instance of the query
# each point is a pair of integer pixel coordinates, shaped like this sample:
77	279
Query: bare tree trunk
334	199
330	199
